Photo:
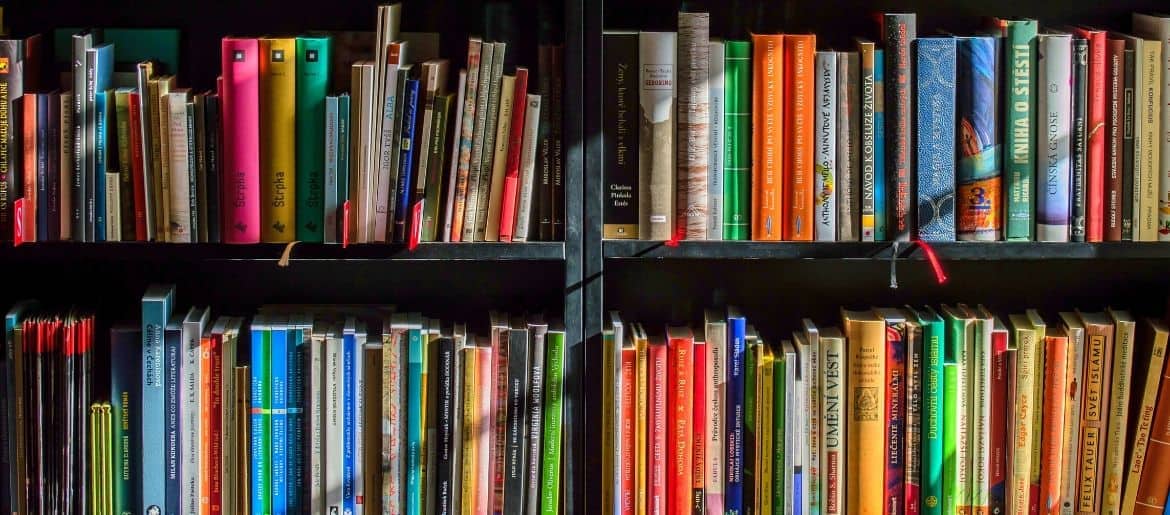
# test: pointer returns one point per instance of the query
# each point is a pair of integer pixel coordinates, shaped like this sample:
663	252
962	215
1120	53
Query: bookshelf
777	284
454	281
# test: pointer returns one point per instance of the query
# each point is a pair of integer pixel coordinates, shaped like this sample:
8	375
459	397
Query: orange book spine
205	465
213	438
29	228
799	54
680	371
767	136
1155	482
627	425
1052	427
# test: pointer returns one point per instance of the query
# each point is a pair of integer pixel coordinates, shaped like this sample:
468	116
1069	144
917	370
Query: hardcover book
1020	114
899	31
312	84
848	177
1157	28
799	167
656	158
241	138
692	201
1114	129
1096	139
825	185
935	63
1079	147
738	190
866	404
768	136
978	182
1053	166
278	147
870	96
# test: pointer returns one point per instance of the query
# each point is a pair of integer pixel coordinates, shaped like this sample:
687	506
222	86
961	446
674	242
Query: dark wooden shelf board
155	252
976	251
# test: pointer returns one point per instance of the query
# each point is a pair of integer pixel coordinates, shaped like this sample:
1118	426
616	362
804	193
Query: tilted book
1150	353
692	202
241	140
1155	481
979	182
1071	324
656	140
1119	403
935	119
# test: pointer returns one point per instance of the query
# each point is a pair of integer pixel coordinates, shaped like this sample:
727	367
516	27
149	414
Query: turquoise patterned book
935	65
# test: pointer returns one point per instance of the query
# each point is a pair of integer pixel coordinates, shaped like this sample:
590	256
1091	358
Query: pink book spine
515	141
483	499
241	140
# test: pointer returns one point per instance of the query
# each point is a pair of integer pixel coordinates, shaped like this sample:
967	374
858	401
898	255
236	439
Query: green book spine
956	425
342	150
550	467
312	85
749	428
779	418
934	397
737	155
1020	125
435	166
950	480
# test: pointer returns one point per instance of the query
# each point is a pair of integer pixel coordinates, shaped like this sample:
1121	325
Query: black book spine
535	416
1079	137
199	152
557	198
516	450
192	173
543	195
43	149
620	135
53	171
11	88
89	155
1127	141
899	31
447	411
211	160
125	171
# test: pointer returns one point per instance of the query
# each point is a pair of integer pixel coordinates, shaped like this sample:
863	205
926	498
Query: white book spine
180	189
716	143
791	432
833	428
113	209
980	353
331	203
1053	136
804	432
527	168
825	183
656	162
315	394
716	390
333	425
1158	27
453	169
190	373
810	364
387	151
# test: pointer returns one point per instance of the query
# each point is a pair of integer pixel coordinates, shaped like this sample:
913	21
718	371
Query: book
736	348
848	177
768	143
191	372
483	200
1157	28
1052	424
500	157
99	62
479	137
899	30
389	82
10	166
524	205
241	138
312	84
157	302
405	187
931	458
958	438
870	98
1119	414
715	336
751	460
434	207
979	181
912	335
680	370
808	346
738	206
1155	481
1079	144
458	204
768	438
611	416
180	191
1129	148
717	133
538	330
1148	58
1071	325
550	69
834	445
1019	113
432	85
825	185
1099	333
935	65
1149	353
1114	128
550	472
123	208
867	399
656	140
82	147
895	410
511	189
1096	140
278	74
1054	166
799	99
692	202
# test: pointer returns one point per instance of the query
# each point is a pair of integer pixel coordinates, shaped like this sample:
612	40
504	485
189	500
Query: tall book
1150	354
680	368
278	147
404	189
692	202
82	146
500	155
484	117
715	335
125	197
799	100
1099	334
99	66
808	343
458	203
717	133
1129	122
436	204
312	84
432	85
1028	357
656	142
737	141
1157	28
1078	156
156	311
848	176
834	424
518	390
528	150
12	84
768	136
550	469
1155	481
1147	60
125	402
825	185
935	65
495	101
865	333
511	189
180	191
895	409
1114	140
699	404
1019	115
899	31
1054	167
1118	435
870	97
611	415
241	140
387	134
192	468
933	338
736	348
1097	139
912	335
978	182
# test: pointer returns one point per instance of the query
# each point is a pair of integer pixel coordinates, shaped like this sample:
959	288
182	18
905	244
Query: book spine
1119	415
312	84
1128	143
1114	127
261	419
180	212
144	72
191	417
406	162
656	158
445	468
1020	140
779	459
330	203
126	399
174	420
751	489
913	424
717	133
536	354
716	429
349	356
278	124
767	122
1055	75
332	438
125	197
1144	415
214	164
934	345
159	127
900	31
466	133
524	209
483	491
767	438
104	223
834	441
880	170
610	443
1080	137
737	141
866	380
848	147
935	119
65	166
81	43
656	480
470	428
97	69
511	189
626	425
280	385
11	89
869	94
693	149
733	494
516	441
344	162
698	458
1148	109
26	222
979	430
478	139
1000	409
441	133
895	413
980	188
43	149
826	187
1052	427
799	96
1155	481
1094	416
393	433
680	391
1072	420
491	148
413	422
950	487
1095	208
241	138
153	448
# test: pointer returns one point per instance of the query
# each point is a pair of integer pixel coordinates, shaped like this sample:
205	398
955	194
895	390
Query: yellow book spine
1038	334
470	428
1145	414
640	406
1150	61
764	405
163	109
866	404
500	161
1123	345
278	138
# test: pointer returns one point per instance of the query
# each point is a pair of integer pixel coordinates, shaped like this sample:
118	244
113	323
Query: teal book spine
737	156
879	147
294	413
312	85
156	311
414	373
550	467
125	398
261	419
342	152
101	162
1019	122
934	401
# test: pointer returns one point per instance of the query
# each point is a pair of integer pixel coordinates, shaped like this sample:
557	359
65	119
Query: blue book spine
797	493
978	188
43	149
414	371
737	334
174	348
879	148
279	417
101	158
156	309
295	408
935	65
349	354
406	163
260	462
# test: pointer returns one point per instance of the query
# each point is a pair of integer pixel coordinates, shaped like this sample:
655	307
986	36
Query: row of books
914	410
1013	133
274	154
303	409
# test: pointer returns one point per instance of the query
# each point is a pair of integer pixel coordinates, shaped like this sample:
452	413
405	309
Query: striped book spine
869	99
693	203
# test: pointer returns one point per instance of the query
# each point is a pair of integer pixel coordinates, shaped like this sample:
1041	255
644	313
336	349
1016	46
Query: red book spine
656	478
500	420
1095	210
214	421
1114	134
680	369
628	422
241	140
698	427
138	176
512	173
999	420
895	421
